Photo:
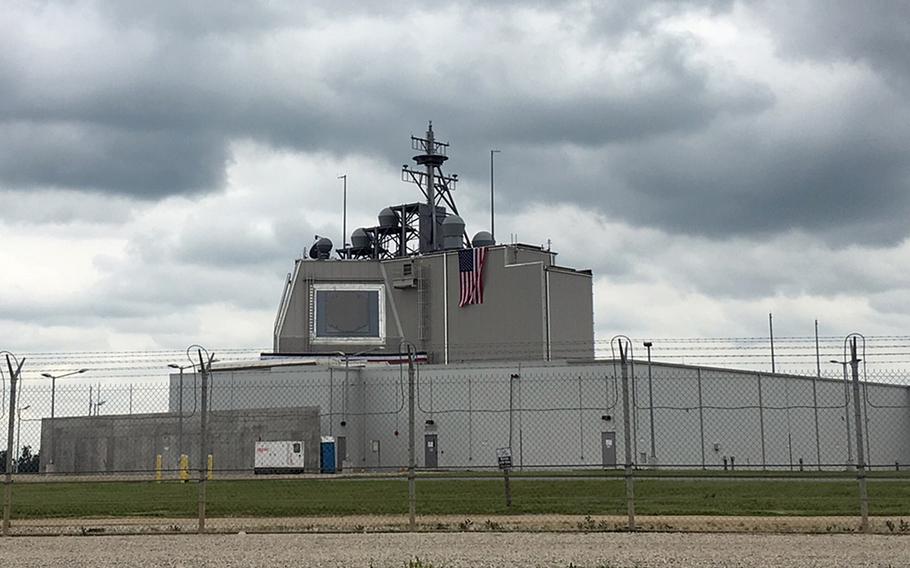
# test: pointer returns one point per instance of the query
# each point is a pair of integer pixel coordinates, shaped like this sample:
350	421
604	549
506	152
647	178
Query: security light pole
344	213
53	379
179	408
492	215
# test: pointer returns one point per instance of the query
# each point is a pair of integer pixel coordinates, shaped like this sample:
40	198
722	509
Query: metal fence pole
627	439
818	375
761	421
412	489
860	454
202	444
8	478
701	417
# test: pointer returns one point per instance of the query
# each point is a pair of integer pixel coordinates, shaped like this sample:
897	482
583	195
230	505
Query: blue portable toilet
327	454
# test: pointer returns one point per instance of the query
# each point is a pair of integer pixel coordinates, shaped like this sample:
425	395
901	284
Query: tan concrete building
402	280
532	308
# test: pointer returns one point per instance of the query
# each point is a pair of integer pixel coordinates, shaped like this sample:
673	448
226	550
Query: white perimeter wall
558	411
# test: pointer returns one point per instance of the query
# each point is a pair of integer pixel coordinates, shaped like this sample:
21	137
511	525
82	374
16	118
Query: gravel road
455	550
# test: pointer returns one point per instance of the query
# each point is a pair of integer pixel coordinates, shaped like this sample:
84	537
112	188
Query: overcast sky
163	163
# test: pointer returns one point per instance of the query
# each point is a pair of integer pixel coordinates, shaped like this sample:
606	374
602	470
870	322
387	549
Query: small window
296	447
406	269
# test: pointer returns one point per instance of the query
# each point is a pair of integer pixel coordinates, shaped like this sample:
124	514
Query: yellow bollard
184	468
158	461
211	467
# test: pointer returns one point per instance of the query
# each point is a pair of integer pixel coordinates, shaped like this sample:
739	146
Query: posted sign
504	457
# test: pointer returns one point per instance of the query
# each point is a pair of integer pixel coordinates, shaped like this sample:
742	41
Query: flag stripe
470	269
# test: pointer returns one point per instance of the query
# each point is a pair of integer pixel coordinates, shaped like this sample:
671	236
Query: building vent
452	232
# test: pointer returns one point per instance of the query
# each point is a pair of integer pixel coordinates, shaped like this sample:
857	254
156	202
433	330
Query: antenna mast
436	186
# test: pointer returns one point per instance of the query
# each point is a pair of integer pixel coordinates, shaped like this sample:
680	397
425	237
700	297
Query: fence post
860	453
761	420
701	417
8	478
627	438
412	489
203	452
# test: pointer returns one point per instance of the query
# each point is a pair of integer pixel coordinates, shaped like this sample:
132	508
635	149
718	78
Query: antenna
492	215
344	215
433	183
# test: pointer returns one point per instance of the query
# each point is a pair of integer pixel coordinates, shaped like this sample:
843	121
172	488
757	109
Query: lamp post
344	398
492	217
179	408
19	431
53	379
648	346
344	213
846	410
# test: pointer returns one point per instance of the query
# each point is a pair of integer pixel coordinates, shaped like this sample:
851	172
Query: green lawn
325	497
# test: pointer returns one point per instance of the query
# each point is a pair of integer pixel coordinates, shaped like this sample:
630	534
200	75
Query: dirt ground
456	550
454	523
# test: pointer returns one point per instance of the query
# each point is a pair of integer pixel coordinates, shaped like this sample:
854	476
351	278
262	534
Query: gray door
608	446
429	451
341	451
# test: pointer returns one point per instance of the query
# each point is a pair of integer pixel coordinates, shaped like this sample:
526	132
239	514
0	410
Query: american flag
470	272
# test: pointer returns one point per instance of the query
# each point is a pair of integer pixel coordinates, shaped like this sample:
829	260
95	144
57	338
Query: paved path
457	550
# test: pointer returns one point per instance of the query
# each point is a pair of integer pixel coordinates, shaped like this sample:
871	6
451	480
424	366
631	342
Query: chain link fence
619	443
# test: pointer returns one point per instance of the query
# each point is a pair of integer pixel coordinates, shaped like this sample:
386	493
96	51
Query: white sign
504	457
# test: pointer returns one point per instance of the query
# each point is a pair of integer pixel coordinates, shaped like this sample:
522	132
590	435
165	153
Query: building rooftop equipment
416	277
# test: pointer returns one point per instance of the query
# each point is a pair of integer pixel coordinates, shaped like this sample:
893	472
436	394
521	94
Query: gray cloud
871	33
155	116
711	176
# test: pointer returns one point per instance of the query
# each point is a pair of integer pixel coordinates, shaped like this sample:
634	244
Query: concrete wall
570	301
559	411
129	443
527	302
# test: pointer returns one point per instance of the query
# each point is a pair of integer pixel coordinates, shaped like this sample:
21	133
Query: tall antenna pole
771	333
431	186
344	213
492	209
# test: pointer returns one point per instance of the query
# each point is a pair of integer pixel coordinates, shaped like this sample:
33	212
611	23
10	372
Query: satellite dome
388	219
321	249
483	239
360	239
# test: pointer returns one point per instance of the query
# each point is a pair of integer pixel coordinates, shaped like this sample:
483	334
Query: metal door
341	451
608	446
430	448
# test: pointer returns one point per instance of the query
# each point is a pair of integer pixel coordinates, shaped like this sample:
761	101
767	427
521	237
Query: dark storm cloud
872	33
147	101
132	161
143	100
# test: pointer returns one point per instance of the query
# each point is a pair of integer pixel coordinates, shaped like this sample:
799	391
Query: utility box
278	457
327	454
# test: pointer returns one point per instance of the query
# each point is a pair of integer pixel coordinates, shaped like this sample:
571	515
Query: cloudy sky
163	163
